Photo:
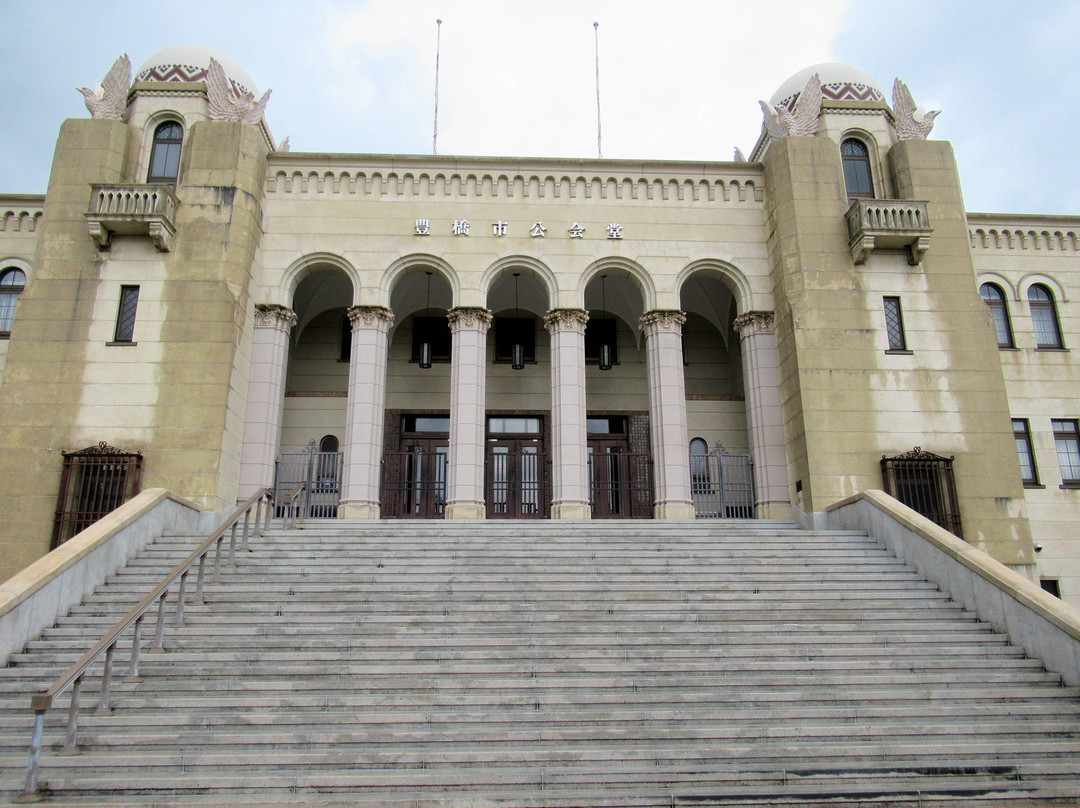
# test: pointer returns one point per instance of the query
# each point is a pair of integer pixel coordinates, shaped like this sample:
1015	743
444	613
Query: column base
465	510
772	510
571	510
674	510
358	510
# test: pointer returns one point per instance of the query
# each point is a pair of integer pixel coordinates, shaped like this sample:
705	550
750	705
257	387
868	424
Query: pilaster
764	415
570	467
364	411
266	397
667	414
465	494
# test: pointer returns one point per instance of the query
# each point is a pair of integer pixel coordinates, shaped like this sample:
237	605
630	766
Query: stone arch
512	262
744	296
1033	278
312	262
615	265
418	262
1006	285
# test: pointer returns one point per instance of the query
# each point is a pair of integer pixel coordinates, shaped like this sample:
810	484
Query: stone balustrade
137	210
888	224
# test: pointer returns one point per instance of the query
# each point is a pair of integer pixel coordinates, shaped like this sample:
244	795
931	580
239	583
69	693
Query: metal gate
321	474
722	485
620	483
516	480
414	483
925	483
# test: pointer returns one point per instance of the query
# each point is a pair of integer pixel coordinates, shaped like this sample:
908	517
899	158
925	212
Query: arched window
165	153
1044	317
329	443
856	159
996	301
12	282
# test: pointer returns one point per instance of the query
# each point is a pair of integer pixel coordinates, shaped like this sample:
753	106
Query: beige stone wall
847	402
178	393
1014	252
20	216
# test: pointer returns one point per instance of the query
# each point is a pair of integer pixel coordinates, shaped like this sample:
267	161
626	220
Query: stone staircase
552	665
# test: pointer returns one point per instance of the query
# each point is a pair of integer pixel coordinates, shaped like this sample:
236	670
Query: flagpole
596	41
435	129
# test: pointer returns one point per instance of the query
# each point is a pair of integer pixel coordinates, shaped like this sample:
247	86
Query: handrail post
159	633
199	581
106	681
178	620
247	529
71	736
232	544
269	511
30	791
217	559
136	643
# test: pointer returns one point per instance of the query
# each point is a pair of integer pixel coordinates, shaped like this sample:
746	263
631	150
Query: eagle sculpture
109	99
780	122
909	125
228	105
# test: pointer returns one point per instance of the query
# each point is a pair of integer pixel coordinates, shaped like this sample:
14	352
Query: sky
679	79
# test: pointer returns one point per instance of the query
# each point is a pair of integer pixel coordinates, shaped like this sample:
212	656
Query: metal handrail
291	510
262	503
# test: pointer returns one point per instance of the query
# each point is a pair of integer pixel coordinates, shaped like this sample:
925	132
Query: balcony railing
888	224
132	210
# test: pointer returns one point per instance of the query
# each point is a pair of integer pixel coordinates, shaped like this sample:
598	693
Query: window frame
1044	312
172	148
1025	450
1067	444
854	162
999	310
127	310
894	325
9	290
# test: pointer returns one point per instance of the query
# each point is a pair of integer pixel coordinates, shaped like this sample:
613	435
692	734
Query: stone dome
839	82
189	63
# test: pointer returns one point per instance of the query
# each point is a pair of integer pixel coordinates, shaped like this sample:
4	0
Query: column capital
378	317
271	315
566	320
662	320
469	318
755	322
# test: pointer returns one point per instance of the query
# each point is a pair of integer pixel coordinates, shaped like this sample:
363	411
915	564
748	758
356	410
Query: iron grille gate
722	485
321	474
414	483
620	484
517	482
95	481
925	483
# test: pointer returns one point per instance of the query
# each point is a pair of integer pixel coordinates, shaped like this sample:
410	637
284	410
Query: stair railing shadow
262	504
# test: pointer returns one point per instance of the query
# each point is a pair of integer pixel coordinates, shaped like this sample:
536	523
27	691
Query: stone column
667	414
570	466
266	397
468	377
364	413
764	414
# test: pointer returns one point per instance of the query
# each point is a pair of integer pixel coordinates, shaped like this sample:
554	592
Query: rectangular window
1067	441
894	324
125	317
1025	452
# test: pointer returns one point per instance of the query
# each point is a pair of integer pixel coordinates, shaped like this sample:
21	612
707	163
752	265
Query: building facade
472	337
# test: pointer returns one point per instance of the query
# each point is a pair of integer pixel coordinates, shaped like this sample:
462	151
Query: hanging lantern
425	346
605	348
